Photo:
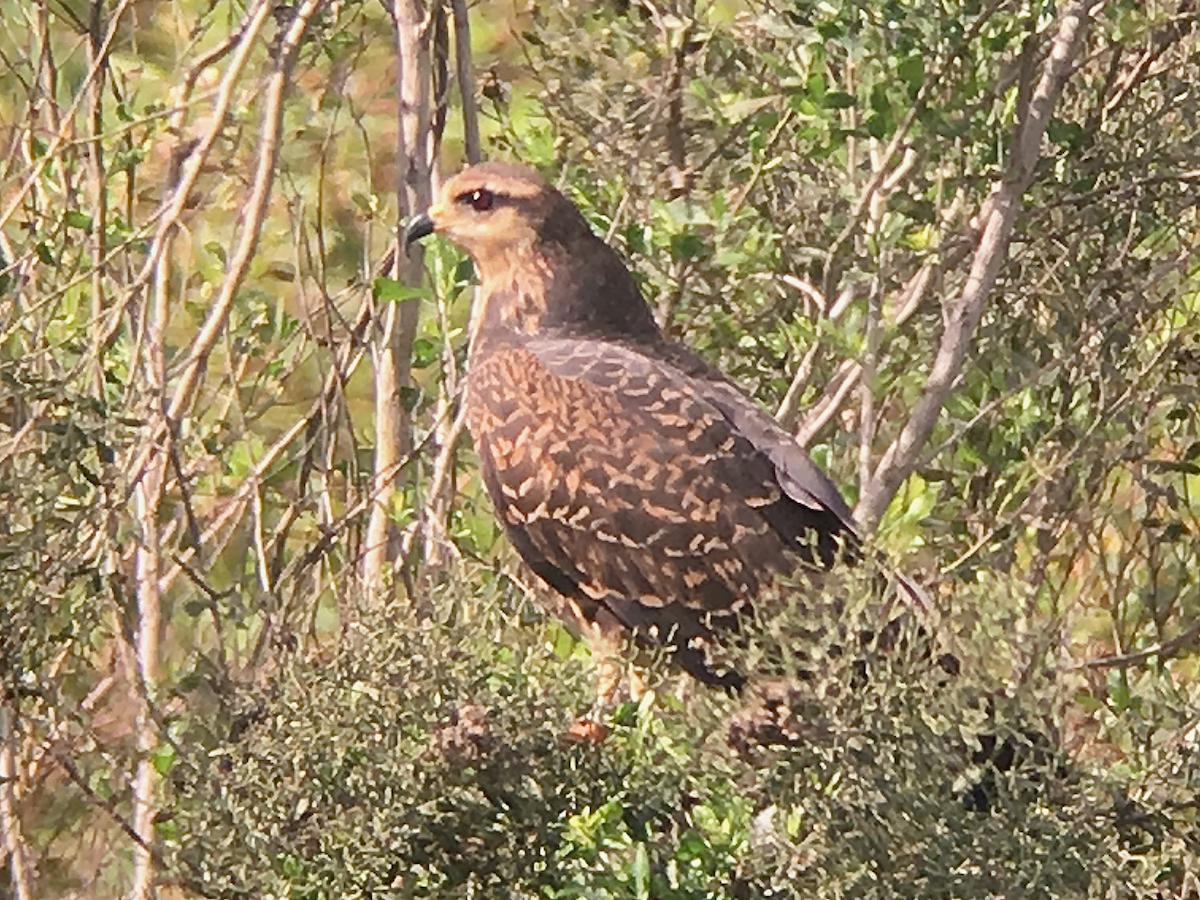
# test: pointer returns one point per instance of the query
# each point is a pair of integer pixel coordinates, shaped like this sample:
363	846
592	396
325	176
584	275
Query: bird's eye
480	199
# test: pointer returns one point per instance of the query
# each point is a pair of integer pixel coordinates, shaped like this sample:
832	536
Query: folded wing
649	488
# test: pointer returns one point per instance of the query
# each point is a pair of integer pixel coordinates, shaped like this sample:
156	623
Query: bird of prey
637	482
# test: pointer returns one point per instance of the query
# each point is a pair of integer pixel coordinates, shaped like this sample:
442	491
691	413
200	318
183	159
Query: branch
1164	650
961	316
472	145
255	210
12	842
392	345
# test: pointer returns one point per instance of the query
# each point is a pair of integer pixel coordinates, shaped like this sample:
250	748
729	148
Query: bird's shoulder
589	399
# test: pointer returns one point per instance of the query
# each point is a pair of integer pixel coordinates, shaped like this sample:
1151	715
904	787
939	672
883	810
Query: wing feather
627	482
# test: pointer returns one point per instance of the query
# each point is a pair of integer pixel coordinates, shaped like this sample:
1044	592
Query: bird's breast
511	300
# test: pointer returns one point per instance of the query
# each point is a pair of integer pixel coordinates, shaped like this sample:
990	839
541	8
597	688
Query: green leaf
688	245
281	271
877	126
216	250
912	71
641	872
389	290
162	758
742	109
839	100
425	353
816	86
1068	135
635	237
77	218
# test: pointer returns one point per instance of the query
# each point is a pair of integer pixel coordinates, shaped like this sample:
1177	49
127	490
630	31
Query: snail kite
638	482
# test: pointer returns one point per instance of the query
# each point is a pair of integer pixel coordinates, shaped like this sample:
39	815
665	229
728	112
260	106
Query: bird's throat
510	302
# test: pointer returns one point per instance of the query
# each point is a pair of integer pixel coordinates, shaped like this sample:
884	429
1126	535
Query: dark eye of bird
480	199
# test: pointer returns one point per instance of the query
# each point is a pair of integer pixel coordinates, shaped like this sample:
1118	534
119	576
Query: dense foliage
193	212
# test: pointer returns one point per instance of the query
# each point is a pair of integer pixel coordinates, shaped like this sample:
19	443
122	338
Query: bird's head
539	264
498	212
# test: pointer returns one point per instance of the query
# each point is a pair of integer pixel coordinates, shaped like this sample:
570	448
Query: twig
961	316
836	392
435	509
61	135
10	825
789	407
472	146
784	121
1163	650
870	360
98	189
440	493
108	804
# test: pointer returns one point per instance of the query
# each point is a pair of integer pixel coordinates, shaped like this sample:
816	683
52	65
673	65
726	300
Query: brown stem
961	316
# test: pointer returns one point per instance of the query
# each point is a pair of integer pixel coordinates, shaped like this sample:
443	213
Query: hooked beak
417	228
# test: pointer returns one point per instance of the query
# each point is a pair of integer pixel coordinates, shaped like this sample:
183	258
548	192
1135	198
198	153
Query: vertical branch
866	387
450	427
441	489
437	504
438	41
961	316
147	500
392	345
873	326
10	826
671	102
472	145
96	62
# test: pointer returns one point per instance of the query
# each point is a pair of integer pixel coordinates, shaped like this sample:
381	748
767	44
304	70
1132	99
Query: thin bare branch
961	316
62	135
472	145
867	369
392	348
1161	650
11	835
148	494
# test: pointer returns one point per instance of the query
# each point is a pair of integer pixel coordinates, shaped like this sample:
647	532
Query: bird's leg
609	673
637	684
590	727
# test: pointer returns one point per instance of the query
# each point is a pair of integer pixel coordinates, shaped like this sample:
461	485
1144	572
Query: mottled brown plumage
634	479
